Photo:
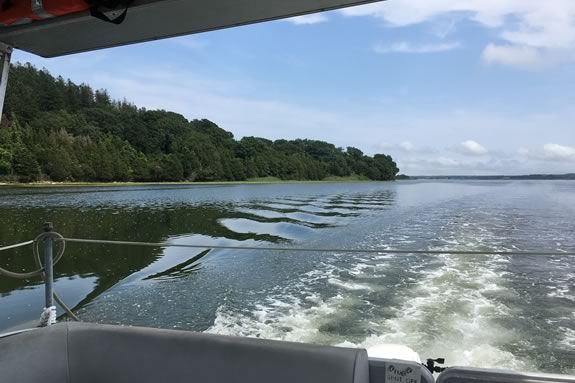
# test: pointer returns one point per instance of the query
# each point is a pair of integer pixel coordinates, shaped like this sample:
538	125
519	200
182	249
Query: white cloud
454	166
531	29
405	47
558	152
523	152
549	152
513	55
443	29
472	148
432	138
314	18
220	101
407	146
191	42
446	161
223	102
549	158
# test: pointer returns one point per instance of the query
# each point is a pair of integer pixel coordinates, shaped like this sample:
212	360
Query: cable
59	238
35	251
40	268
16	245
323	250
65	308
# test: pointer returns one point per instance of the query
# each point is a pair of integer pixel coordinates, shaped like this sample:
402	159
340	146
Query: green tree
5	162
55	129
25	165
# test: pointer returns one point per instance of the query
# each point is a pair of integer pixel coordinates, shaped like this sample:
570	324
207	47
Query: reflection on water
209	214
514	312
181	269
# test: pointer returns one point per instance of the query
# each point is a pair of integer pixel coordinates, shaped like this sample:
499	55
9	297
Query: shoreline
50	184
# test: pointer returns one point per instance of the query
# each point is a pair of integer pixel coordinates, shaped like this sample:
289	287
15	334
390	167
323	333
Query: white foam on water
563	286
569	338
561	292
478	355
445	316
294	321
447	310
453	302
360	269
292	313
401	239
348	285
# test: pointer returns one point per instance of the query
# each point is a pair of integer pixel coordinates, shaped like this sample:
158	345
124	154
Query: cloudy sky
444	86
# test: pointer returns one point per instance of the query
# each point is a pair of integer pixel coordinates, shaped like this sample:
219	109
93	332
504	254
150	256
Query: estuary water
487	311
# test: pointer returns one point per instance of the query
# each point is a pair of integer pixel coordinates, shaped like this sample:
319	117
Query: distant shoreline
257	181
273	180
568	176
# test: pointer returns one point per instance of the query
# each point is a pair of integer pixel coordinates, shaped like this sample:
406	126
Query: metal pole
49	265
5	55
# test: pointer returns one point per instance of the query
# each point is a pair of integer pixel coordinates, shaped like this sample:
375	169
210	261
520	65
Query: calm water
488	311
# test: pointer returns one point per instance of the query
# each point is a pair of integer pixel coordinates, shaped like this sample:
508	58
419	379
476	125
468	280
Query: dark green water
487	311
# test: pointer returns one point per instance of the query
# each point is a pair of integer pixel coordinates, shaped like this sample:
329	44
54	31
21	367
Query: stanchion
49	265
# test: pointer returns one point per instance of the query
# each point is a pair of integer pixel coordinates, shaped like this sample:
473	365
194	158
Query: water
486	311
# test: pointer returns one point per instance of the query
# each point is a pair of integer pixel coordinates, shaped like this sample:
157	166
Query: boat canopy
153	19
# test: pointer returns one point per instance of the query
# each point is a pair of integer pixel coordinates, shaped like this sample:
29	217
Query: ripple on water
489	311
279	229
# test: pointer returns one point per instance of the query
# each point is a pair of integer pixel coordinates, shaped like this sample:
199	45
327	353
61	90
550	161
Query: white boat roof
154	19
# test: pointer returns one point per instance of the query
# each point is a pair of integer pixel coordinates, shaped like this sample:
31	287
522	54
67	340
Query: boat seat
477	375
90	353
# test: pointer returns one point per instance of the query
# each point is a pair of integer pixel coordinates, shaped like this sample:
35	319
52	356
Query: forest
55	130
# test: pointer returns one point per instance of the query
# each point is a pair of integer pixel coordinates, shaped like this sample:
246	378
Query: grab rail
321	250
49	237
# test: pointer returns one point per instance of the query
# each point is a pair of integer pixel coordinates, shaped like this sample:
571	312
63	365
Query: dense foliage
56	130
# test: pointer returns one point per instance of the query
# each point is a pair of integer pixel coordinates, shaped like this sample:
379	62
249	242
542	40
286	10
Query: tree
5	162
57	163
102	98
25	165
58	130
169	168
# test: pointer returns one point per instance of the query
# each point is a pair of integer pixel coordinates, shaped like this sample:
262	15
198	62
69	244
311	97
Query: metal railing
48	238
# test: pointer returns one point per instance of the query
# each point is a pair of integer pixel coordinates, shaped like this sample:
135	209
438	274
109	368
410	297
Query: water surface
487	311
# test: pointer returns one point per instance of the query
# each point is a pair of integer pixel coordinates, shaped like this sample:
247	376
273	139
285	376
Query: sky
447	87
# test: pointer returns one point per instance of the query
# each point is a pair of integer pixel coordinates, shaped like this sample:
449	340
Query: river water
487	311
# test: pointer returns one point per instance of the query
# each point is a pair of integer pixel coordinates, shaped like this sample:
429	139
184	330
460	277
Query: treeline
56	130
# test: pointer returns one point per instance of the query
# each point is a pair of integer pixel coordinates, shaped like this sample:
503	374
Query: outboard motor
430	364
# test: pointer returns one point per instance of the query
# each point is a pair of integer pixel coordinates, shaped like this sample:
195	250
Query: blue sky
444	86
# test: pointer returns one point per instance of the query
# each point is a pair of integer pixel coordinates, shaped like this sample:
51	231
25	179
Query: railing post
5	54
49	265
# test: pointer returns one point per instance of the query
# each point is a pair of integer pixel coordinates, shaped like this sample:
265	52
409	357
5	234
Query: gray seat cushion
35	356
98	353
